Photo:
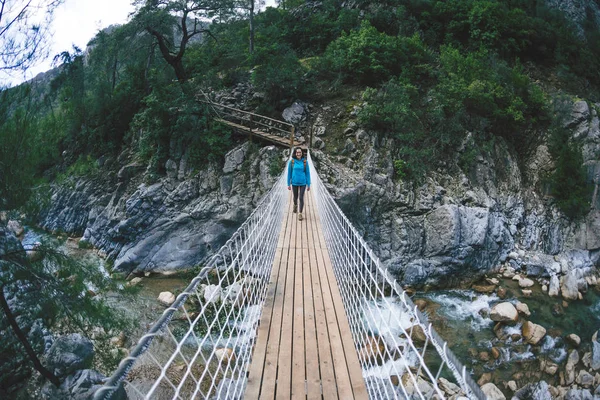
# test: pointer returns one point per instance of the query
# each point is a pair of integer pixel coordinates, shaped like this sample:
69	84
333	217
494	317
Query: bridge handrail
254	119
349	252
268	211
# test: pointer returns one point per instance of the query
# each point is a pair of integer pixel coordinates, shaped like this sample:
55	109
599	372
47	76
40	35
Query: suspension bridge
290	309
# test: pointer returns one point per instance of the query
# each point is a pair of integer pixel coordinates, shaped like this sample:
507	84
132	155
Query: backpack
304	160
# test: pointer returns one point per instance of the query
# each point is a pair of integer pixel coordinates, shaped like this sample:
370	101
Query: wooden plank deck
304	348
285	142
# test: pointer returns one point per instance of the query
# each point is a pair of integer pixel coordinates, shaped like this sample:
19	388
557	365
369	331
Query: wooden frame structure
274	131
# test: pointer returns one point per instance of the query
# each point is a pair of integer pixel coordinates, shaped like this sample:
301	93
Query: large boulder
533	333
569	286
534	391
81	385
504	312
68	354
579	394
15	227
570	372
554	288
492	392
595	361
294	113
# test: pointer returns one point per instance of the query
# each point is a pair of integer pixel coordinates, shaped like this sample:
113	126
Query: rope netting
401	355
201	346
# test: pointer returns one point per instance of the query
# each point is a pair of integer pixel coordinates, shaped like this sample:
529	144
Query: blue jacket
297	176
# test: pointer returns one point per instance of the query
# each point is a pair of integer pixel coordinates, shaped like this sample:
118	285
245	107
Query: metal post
250	125
292	139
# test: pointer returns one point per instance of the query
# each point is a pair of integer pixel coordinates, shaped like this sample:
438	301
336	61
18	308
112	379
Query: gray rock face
577	11
81	385
9	244
68	354
595	361
492	392
455	226
534	391
167	225
294	113
579	394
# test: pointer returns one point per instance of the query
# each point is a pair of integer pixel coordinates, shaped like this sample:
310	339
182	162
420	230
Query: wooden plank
298	356
284	361
269	331
353	371
328	383
335	342
313	376
257	366
257	132
247	112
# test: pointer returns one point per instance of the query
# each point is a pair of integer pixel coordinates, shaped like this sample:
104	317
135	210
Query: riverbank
504	353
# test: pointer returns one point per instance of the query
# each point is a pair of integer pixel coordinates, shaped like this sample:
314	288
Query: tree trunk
251	48
25	342
177	65
175	61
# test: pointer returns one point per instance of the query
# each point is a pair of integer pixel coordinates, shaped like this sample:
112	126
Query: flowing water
462	318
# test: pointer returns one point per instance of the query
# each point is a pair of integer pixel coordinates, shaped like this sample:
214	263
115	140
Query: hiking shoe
299	216
295	208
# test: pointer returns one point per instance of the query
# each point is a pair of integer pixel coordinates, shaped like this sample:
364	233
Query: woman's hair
295	150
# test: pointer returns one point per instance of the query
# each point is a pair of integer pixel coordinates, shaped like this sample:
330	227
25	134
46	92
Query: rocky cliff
460	226
166	225
454	227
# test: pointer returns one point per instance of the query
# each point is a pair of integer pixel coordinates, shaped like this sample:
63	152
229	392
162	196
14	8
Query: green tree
23	36
48	288
160	17
568	181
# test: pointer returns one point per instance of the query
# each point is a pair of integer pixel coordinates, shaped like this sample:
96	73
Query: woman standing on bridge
298	179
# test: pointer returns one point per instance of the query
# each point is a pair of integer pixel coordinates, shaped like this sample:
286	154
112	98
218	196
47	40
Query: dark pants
299	190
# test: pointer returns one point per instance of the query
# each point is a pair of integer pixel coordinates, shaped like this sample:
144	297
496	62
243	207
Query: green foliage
85	165
369	57
279	73
520	29
307	30
171	124
84	244
568	182
394	111
401	167
499	97
276	166
60	293
16	145
28	144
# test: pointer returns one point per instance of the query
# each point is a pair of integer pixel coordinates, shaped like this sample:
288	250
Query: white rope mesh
400	353
201	346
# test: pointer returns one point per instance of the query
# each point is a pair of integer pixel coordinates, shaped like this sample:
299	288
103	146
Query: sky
76	22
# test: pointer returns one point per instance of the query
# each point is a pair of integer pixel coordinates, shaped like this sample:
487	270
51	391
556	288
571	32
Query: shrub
489	89
370	57
394	110
172	125
568	182
279	73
